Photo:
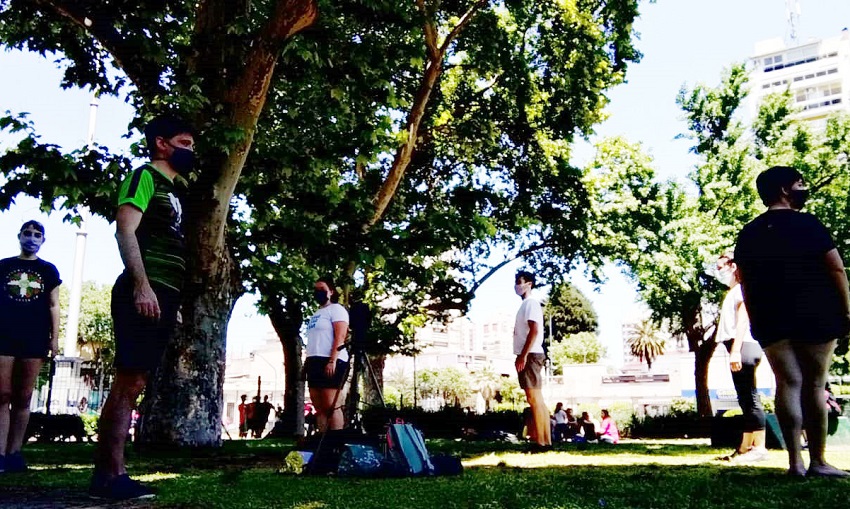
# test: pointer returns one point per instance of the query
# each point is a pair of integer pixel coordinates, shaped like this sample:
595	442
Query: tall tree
645	341
460	129
570	311
666	237
579	348
394	135
213	61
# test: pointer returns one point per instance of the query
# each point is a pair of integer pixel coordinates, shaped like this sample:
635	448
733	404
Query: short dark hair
330	282
528	276
35	224
771	182
165	126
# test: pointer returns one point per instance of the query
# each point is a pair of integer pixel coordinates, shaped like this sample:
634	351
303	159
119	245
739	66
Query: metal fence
71	385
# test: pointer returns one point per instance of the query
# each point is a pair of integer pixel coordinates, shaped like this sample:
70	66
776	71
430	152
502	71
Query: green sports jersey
159	233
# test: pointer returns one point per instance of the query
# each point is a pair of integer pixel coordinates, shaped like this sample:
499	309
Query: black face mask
797	198
321	296
182	160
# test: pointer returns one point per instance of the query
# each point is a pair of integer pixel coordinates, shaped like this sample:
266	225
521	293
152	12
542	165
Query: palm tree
645	341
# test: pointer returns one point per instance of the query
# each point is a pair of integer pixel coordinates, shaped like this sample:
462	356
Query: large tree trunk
183	402
287	323
702	358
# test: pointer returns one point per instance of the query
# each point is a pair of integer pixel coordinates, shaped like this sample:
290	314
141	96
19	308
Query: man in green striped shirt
146	296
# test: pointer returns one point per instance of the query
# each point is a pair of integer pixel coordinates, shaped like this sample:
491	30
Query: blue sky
683	41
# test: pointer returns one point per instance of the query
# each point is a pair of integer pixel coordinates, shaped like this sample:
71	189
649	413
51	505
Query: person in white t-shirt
560	430
326	366
745	354
528	348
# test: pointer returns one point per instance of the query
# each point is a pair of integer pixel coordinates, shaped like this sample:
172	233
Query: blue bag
359	460
407	448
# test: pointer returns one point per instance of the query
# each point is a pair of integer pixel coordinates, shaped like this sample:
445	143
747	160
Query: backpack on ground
407	448
359	460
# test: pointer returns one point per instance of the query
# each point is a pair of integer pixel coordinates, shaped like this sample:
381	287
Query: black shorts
140	342
314	371
24	348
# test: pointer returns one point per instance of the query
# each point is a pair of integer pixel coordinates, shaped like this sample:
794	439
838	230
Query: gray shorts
531	377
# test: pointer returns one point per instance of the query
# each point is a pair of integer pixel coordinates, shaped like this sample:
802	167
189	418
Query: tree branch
405	153
465	20
493	270
144	74
430	32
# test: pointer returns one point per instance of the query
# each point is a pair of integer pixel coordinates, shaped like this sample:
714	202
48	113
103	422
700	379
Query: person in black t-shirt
796	294
29	314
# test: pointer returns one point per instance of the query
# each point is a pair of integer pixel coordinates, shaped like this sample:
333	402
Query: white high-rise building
817	74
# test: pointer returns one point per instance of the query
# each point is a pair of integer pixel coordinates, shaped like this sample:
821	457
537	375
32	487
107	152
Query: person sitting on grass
609	433
588	426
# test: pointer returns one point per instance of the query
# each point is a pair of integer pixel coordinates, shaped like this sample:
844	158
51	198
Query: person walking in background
146	296
733	331
326	366
29	314
243	417
528	348
796	294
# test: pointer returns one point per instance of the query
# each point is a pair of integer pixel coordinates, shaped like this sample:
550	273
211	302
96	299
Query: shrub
90	423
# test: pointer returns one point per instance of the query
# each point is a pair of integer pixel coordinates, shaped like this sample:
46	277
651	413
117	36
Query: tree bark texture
702	358
184	398
372	392
287	321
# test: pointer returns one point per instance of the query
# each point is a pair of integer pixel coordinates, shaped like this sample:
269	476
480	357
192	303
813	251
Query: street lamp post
254	355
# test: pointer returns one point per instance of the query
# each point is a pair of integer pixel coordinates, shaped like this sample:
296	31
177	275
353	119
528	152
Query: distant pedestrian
29	333
528	348
745	354
261	418
796	293
243	417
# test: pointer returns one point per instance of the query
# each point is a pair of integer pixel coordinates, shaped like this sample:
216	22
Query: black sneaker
119	488
15	463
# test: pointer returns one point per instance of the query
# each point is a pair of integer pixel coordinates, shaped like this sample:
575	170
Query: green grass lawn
243	474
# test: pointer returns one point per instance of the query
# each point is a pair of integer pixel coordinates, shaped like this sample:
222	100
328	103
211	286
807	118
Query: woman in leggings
744	357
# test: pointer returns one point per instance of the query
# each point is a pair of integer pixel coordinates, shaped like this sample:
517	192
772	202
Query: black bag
445	464
328	448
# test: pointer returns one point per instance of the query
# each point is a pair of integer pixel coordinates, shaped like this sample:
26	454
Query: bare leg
789	379
7	364
746	442
327	417
759	438
337	419
115	421
815	361
542	430
22	387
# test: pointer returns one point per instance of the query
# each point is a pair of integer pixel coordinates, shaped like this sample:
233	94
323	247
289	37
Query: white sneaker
753	455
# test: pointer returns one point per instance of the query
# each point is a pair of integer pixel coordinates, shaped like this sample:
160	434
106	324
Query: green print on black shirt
159	234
